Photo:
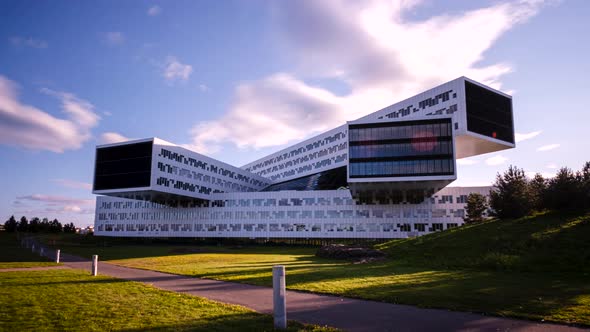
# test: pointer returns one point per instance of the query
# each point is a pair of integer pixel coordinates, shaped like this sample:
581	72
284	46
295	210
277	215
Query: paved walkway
344	313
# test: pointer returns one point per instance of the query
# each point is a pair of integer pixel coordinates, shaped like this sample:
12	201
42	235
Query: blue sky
237	80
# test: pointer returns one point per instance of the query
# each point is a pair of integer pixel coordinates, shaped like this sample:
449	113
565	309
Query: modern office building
384	175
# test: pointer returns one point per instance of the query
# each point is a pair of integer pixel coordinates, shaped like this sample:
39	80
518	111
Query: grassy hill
535	267
543	242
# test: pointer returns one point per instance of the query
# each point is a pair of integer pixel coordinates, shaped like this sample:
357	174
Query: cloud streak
39	203
370	46
548	147
28	42
73	184
523	137
26	126
112	137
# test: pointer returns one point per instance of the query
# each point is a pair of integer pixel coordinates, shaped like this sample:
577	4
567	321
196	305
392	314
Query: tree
565	190
69	228
538	188
23	225
34	225
585	175
476	206
511	197
55	226
10	224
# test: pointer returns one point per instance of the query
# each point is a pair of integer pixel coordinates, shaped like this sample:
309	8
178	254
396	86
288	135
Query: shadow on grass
235	322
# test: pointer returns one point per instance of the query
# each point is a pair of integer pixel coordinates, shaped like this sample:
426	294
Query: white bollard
279	298
41	252
94	265
33	248
57	252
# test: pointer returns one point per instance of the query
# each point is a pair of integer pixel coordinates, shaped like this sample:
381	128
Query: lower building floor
284	214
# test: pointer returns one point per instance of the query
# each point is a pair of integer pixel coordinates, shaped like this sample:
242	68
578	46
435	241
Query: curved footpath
340	312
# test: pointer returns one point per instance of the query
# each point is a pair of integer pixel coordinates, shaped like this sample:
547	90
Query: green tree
23	225
35	225
69	228
10	224
538	189
565	190
585	175
511	197
55	226
476	206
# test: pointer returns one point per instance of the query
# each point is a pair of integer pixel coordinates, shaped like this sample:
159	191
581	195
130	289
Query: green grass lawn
71	300
13	256
535	268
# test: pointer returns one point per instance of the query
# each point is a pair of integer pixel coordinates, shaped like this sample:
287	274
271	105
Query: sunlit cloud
372	47
112	137
548	147
26	126
174	70
552	166
523	137
496	160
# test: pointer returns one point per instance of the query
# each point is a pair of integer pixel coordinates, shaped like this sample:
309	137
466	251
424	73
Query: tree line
514	195
37	225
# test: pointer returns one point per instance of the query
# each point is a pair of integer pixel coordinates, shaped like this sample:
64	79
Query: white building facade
385	175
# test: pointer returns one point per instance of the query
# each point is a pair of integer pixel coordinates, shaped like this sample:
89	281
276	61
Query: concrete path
343	313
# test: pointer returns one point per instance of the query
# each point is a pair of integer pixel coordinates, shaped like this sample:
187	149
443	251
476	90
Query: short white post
94	265
41	251
279	299
33	248
57	252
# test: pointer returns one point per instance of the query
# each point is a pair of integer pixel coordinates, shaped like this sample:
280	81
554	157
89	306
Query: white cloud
112	137
496	160
55	199
552	166
154	11
38	203
27	126
523	137
107	113
79	110
114	38
467	162
29	42
373	48
250	124
204	88
548	147
174	70
73	184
